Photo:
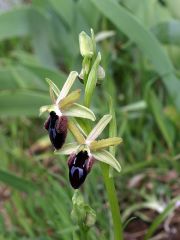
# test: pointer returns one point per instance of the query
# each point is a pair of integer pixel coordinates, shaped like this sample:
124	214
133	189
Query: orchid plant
86	150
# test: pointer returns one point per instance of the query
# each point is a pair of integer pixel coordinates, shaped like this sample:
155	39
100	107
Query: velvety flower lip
79	166
92	149
57	129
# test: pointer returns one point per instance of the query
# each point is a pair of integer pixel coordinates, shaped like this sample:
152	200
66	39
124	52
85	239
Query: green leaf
77	110
21	103
108	158
68	148
97	130
92	80
140	105
168	32
14	23
43	72
17	182
130	26
161	119
40	37
65	9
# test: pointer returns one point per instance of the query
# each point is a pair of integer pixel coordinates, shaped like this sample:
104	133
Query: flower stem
113	201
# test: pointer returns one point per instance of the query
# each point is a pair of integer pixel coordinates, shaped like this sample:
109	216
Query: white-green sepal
77	110
97	130
108	158
67	86
68	148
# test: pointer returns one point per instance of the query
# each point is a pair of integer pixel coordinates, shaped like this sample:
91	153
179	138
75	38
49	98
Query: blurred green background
140	45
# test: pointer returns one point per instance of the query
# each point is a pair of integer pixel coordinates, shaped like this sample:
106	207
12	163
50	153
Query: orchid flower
86	150
63	106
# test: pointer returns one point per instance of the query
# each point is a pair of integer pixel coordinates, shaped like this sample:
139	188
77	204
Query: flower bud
86	45
100	73
57	128
82	213
79	166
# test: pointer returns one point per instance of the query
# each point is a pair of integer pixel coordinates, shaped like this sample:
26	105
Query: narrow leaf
67	86
104	143
68	148
16	182
21	103
137	106
107	157
97	130
14	23
92	80
160	118
70	99
168	32
77	110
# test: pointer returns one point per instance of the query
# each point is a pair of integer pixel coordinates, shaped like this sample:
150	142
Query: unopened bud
86	45
82	213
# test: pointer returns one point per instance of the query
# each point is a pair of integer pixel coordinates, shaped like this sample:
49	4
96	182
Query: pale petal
67	149
97	130
67	86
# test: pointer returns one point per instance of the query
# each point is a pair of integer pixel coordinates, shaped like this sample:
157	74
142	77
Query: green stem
83	232
113	201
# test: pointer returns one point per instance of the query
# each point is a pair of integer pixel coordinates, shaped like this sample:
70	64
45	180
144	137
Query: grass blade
16	182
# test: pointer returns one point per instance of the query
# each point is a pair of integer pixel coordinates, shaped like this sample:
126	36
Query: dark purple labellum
57	128
79	167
